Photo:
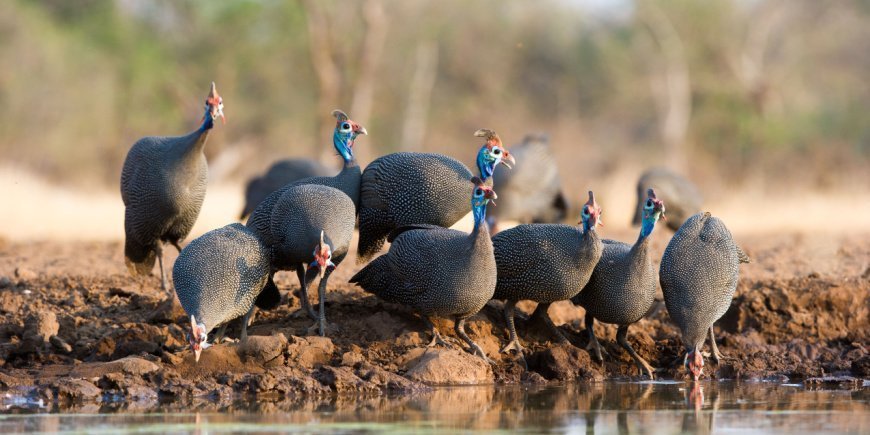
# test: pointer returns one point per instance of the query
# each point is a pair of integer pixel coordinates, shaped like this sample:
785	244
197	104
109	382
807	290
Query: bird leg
163	285
541	314
303	292
717	356
593	342
245	321
642	365
459	326
436	336
177	246
321	290
514	343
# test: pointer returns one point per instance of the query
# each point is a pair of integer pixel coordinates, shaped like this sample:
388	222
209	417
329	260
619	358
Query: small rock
59	344
5	282
390	382
42	324
141	392
310	352
351	358
343	380
75	389
25	274
564	362
450	367
10	302
267	350
130	365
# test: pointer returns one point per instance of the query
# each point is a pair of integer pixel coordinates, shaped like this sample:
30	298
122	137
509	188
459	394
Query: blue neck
647	227
208	122
479	211
485	166
343	143
586	227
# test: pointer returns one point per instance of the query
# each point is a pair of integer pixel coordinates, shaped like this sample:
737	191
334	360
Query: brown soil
74	325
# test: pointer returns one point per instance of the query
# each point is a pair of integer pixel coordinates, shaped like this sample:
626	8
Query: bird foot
437	339
476	350
596	350
513	345
328	329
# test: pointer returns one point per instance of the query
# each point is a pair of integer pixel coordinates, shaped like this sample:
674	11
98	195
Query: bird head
198	337
492	153
653	210
214	107
345	133
480	197
695	363
590	216
322	258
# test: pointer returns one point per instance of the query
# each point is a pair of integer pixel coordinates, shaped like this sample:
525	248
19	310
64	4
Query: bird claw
597	350
479	352
438	339
513	345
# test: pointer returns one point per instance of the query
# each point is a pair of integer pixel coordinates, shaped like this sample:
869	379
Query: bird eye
496	151
345	126
649	203
586	212
478	192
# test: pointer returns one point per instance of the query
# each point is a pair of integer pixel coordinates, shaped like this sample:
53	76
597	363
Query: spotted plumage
545	263
163	184
698	274
280	174
347	181
438	271
217	277
622	287
419	188
682	196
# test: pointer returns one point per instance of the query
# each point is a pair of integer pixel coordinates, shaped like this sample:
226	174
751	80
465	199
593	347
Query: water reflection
622	408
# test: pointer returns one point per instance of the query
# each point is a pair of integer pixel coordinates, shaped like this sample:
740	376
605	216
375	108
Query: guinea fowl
163	185
217	277
438	271
545	263
698	274
419	188
311	225
622	287
682	196
280	174
347	181
531	191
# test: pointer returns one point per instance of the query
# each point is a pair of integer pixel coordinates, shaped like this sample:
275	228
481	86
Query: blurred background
765	104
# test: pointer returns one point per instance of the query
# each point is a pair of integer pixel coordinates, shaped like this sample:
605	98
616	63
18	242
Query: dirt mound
69	331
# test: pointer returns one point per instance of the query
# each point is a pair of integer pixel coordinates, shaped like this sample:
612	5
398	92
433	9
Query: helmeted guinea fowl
419	188
438	271
683	197
280	174
698	274
347	181
163	184
217	277
545	263
531	191
311	226
622	287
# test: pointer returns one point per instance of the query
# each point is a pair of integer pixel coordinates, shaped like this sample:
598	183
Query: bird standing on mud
419	188
545	263
347	181
699	274
622	287
163	184
217	277
438	271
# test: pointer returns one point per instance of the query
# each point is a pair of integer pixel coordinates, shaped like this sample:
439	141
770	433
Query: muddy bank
75	327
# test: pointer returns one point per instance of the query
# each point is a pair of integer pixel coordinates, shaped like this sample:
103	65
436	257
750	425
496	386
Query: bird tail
269	297
139	258
742	257
372	234
375	279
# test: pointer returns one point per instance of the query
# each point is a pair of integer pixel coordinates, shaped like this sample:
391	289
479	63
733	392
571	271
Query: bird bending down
622	287
438	271
347	181
699	274
419	188
163	184
545	263
217	277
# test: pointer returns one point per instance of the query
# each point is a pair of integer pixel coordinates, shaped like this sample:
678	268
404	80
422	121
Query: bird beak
362	130
196	354
508	160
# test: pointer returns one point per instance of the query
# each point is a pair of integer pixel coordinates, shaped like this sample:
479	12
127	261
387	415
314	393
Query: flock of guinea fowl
410	199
